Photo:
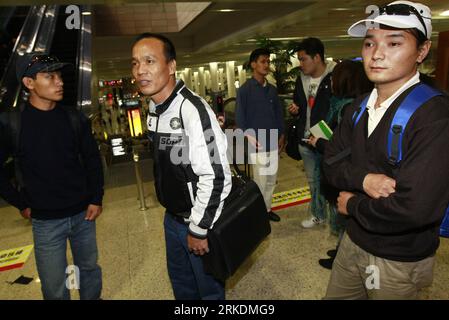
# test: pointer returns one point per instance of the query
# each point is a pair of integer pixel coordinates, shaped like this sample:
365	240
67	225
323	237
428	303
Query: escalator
64	46
12	20
42	29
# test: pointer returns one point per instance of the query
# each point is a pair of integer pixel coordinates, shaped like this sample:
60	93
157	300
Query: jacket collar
326	74
160	108
257	83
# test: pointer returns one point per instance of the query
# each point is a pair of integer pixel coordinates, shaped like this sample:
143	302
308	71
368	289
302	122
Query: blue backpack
416	98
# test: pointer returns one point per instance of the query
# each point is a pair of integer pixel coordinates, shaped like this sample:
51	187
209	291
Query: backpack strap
15	122
15	125
416	98
75	122
359	112
444	228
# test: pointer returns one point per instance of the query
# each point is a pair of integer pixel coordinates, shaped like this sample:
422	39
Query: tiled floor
132	250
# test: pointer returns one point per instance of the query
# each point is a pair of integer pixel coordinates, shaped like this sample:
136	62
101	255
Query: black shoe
326	263
273	216
332	253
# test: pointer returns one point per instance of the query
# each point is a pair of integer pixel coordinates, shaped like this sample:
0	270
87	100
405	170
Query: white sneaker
310	223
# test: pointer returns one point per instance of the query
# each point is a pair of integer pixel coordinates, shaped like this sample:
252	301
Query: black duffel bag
239	230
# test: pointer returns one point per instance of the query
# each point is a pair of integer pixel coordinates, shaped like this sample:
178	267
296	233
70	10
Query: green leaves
284	76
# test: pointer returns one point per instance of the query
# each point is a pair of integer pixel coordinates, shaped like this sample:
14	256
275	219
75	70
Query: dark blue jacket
259	107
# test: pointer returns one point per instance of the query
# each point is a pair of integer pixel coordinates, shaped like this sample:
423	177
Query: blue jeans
337	221
50	247
185	269
312	161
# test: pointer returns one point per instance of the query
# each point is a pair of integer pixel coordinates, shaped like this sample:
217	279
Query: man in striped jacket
192	175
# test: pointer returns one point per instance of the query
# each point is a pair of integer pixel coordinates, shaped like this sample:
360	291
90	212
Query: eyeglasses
402	10
42	59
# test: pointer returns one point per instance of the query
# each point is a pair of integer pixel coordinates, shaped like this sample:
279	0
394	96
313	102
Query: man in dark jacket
59	176
394	209
311	101
259	110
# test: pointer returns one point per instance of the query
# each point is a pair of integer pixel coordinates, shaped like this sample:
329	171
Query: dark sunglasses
402	10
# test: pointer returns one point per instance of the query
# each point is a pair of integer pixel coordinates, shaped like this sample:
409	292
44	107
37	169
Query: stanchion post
143	206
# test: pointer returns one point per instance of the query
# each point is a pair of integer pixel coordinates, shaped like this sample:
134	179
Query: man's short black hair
312	47
257	53
419	36
169	48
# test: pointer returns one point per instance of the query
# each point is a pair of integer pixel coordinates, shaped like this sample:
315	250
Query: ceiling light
445	13
340	9
226	10
285	39
86	13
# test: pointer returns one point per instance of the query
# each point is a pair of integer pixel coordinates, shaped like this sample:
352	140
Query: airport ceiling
220	31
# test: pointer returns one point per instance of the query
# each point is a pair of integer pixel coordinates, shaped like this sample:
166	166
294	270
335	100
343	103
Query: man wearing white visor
394	183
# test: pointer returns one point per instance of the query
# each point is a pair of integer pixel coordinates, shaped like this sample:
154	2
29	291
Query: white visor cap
360	28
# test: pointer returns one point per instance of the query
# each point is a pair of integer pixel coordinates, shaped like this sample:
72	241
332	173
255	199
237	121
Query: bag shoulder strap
180	114
416	98
15	122
444	228
15	125
236	168
359	112
75	121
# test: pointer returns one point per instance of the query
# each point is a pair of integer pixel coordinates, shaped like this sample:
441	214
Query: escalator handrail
35	36
84	63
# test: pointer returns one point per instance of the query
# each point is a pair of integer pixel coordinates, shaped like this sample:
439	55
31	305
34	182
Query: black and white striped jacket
191	171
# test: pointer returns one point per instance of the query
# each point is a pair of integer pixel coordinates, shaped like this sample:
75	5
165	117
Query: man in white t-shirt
311	104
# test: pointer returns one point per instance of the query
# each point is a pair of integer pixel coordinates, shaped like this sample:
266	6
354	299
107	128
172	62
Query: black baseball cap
30	64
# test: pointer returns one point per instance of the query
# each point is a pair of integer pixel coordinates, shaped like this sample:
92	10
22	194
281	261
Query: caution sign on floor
14	258
290	198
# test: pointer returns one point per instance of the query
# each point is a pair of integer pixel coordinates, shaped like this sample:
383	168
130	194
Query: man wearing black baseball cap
30	64
59	179
395	180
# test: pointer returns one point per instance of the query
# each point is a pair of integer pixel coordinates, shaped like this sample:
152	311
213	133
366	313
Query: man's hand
26	213
293	109
378	185
221	121
312	141
93	211
281	143
253	141
342	201
197	246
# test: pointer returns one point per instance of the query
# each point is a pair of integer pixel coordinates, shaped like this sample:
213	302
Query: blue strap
444	228
416	98
361	110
